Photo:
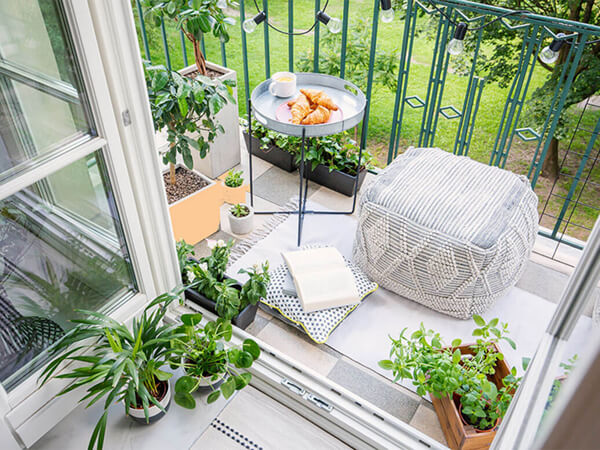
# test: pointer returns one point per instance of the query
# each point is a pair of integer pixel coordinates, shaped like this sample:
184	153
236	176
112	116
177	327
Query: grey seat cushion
445	230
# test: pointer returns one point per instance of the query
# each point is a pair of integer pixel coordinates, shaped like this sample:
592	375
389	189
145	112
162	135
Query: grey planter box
337	181
224	152
276	156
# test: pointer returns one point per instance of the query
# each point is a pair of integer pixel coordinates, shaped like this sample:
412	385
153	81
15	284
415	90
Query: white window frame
28	411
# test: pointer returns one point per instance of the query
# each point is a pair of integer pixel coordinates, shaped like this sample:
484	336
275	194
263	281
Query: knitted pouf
446	231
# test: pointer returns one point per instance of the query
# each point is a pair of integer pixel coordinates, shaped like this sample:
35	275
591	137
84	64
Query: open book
321	278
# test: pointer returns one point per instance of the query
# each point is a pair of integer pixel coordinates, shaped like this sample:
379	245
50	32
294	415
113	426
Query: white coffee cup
283	84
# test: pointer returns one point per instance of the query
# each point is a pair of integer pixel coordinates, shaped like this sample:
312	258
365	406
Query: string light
549	54
457	44
251	24
334	25
387	12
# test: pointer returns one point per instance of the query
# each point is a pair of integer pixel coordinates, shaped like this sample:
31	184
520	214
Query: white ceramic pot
224	152
154	412
241	225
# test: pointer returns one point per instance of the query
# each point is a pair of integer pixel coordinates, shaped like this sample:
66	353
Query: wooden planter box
458	435
276	156
335	180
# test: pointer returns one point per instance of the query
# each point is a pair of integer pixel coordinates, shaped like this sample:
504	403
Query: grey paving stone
259	323
374	390
279	186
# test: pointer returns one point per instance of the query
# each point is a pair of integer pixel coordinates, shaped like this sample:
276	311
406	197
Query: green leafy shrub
442	370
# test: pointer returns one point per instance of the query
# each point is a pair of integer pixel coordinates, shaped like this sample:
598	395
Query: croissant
300	109
319	115
319	98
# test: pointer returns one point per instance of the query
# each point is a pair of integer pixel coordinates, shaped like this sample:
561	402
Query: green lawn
382	100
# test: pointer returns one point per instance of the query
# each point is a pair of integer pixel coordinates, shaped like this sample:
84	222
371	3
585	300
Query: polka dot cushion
318	325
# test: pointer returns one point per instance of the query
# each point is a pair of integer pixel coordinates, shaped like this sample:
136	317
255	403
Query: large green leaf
159	80
251	347
228	388
185	400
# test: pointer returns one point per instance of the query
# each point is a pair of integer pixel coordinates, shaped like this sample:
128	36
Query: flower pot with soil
471	386
241	218
209	363
209	287
194	205
155	413
234	189
177	104
138	356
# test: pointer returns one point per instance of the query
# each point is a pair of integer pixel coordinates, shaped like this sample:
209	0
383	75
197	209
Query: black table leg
301	203
250	152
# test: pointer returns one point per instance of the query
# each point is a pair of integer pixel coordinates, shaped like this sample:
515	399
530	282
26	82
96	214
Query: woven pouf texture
446	231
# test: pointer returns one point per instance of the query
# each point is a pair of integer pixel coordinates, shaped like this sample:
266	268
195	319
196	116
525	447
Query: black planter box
276	156
242	320
335	180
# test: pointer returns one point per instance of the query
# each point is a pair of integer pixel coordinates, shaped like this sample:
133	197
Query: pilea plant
204	354
194	18
234	178
442	370
183	106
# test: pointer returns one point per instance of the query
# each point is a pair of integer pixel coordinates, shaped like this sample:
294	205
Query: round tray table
352	104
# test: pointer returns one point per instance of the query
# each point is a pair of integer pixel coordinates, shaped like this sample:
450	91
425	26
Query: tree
182	106
357	57
194	18
500	65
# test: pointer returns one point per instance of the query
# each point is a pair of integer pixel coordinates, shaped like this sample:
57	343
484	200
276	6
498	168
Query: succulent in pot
122	364
241	218
208	362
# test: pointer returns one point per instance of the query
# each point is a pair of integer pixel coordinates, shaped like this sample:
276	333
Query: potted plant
181	106
332	161
121	364
209	287
275	148
197	19
234	190
208	363
241	218
471	386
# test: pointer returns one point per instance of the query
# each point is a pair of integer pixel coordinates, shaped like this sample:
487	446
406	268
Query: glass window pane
42	105
61	249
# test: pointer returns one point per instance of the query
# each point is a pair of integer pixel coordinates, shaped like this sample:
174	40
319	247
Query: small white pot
154	412
241	225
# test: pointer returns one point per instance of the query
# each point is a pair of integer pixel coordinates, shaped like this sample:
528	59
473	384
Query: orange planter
197	216
233	195
458	434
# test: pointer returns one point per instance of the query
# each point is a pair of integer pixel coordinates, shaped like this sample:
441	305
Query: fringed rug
364	335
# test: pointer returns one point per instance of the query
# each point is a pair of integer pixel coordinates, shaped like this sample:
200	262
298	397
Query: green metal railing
532	29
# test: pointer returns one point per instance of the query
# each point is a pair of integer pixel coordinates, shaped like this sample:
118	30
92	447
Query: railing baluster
163	33
143	30
183	49
316	41
290	36
266	34
244	54
363	137
223	55
345	19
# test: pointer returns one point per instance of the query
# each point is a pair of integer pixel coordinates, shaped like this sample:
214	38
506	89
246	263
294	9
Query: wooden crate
458	435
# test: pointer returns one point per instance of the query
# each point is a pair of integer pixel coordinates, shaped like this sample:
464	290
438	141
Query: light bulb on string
250	25
457	44
549	54
387	12
334	25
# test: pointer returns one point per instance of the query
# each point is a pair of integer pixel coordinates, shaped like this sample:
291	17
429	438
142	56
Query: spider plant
121	364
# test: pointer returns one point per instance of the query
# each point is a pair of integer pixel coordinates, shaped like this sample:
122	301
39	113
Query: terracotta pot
154	412
234	195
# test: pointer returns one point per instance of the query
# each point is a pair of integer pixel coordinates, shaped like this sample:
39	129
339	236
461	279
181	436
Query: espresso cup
283	84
